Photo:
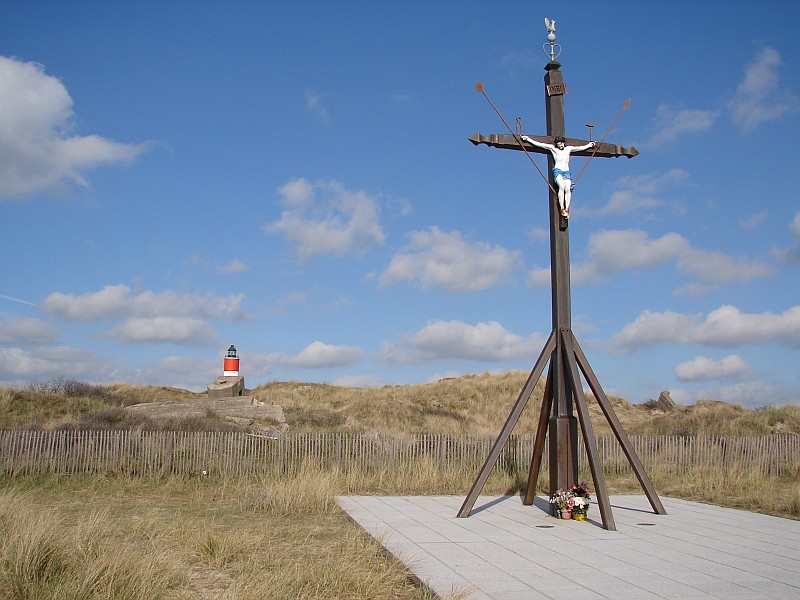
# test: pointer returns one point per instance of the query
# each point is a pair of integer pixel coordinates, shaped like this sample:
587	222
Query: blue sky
295	178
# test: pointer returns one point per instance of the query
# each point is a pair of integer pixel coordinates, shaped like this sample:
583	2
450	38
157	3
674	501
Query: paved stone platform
507	551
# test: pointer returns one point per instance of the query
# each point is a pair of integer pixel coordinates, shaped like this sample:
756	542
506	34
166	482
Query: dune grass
474	404
479	404
284	537
87	538
252	538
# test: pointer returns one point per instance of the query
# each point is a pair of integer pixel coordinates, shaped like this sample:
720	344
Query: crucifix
563	393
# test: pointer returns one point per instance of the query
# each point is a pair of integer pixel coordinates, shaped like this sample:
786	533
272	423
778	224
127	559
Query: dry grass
45	555
479	405
282	537
193	538
474	404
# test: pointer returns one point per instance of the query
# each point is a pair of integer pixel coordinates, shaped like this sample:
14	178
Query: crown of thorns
560	138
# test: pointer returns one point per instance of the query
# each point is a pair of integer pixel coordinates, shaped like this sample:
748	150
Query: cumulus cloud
318	355
234	266
120	301
37	150
726	326
324	218
751	394
438	258
165	330
673	123
703	368
184	365
456	339
614	251
760	97
27	331
636	194
42	364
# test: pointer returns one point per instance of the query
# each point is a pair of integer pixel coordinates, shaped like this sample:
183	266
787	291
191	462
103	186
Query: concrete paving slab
505	550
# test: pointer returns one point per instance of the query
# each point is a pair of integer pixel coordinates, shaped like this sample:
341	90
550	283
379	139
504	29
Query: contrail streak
4	297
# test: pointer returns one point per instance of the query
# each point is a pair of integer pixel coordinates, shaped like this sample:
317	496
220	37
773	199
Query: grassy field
203	537
246	538
90	538
474	404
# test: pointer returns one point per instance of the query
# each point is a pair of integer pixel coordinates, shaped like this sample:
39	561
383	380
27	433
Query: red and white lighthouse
231	365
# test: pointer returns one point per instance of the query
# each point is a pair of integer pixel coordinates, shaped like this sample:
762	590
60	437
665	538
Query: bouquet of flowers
563	499
575	500
580	499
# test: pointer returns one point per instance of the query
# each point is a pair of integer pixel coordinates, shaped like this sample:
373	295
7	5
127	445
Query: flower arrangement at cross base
574	502
581	499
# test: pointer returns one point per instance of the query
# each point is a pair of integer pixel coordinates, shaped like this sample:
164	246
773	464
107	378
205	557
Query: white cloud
438	258
614	251
258	364
456	339
316	108
164	330
324	218
752	394
635	194
790	256
540	276
357	381
676	123
725	326
37	152
27	331
754	221
795	226
184	365
704	368
119	301
42	364
681	397
234	266
760	96
539	234
318	355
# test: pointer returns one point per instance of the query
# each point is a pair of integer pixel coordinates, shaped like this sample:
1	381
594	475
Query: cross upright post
563	394
563	427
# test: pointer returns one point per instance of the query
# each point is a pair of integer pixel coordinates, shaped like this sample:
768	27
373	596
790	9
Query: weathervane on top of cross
555	143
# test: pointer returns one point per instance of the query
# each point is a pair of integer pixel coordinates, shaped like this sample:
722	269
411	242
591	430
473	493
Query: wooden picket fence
160	453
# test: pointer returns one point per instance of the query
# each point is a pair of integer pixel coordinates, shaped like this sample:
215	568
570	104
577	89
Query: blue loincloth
565	174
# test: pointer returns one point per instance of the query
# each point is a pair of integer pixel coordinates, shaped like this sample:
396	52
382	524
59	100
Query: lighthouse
230	367
230	384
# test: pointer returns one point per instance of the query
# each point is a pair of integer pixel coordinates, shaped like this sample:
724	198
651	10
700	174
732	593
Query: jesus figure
561	174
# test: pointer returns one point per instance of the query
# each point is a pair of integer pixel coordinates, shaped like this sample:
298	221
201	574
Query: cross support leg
619	432
589	441
512	419
538	445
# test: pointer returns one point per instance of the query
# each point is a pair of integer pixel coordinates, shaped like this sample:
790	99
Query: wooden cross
563	388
